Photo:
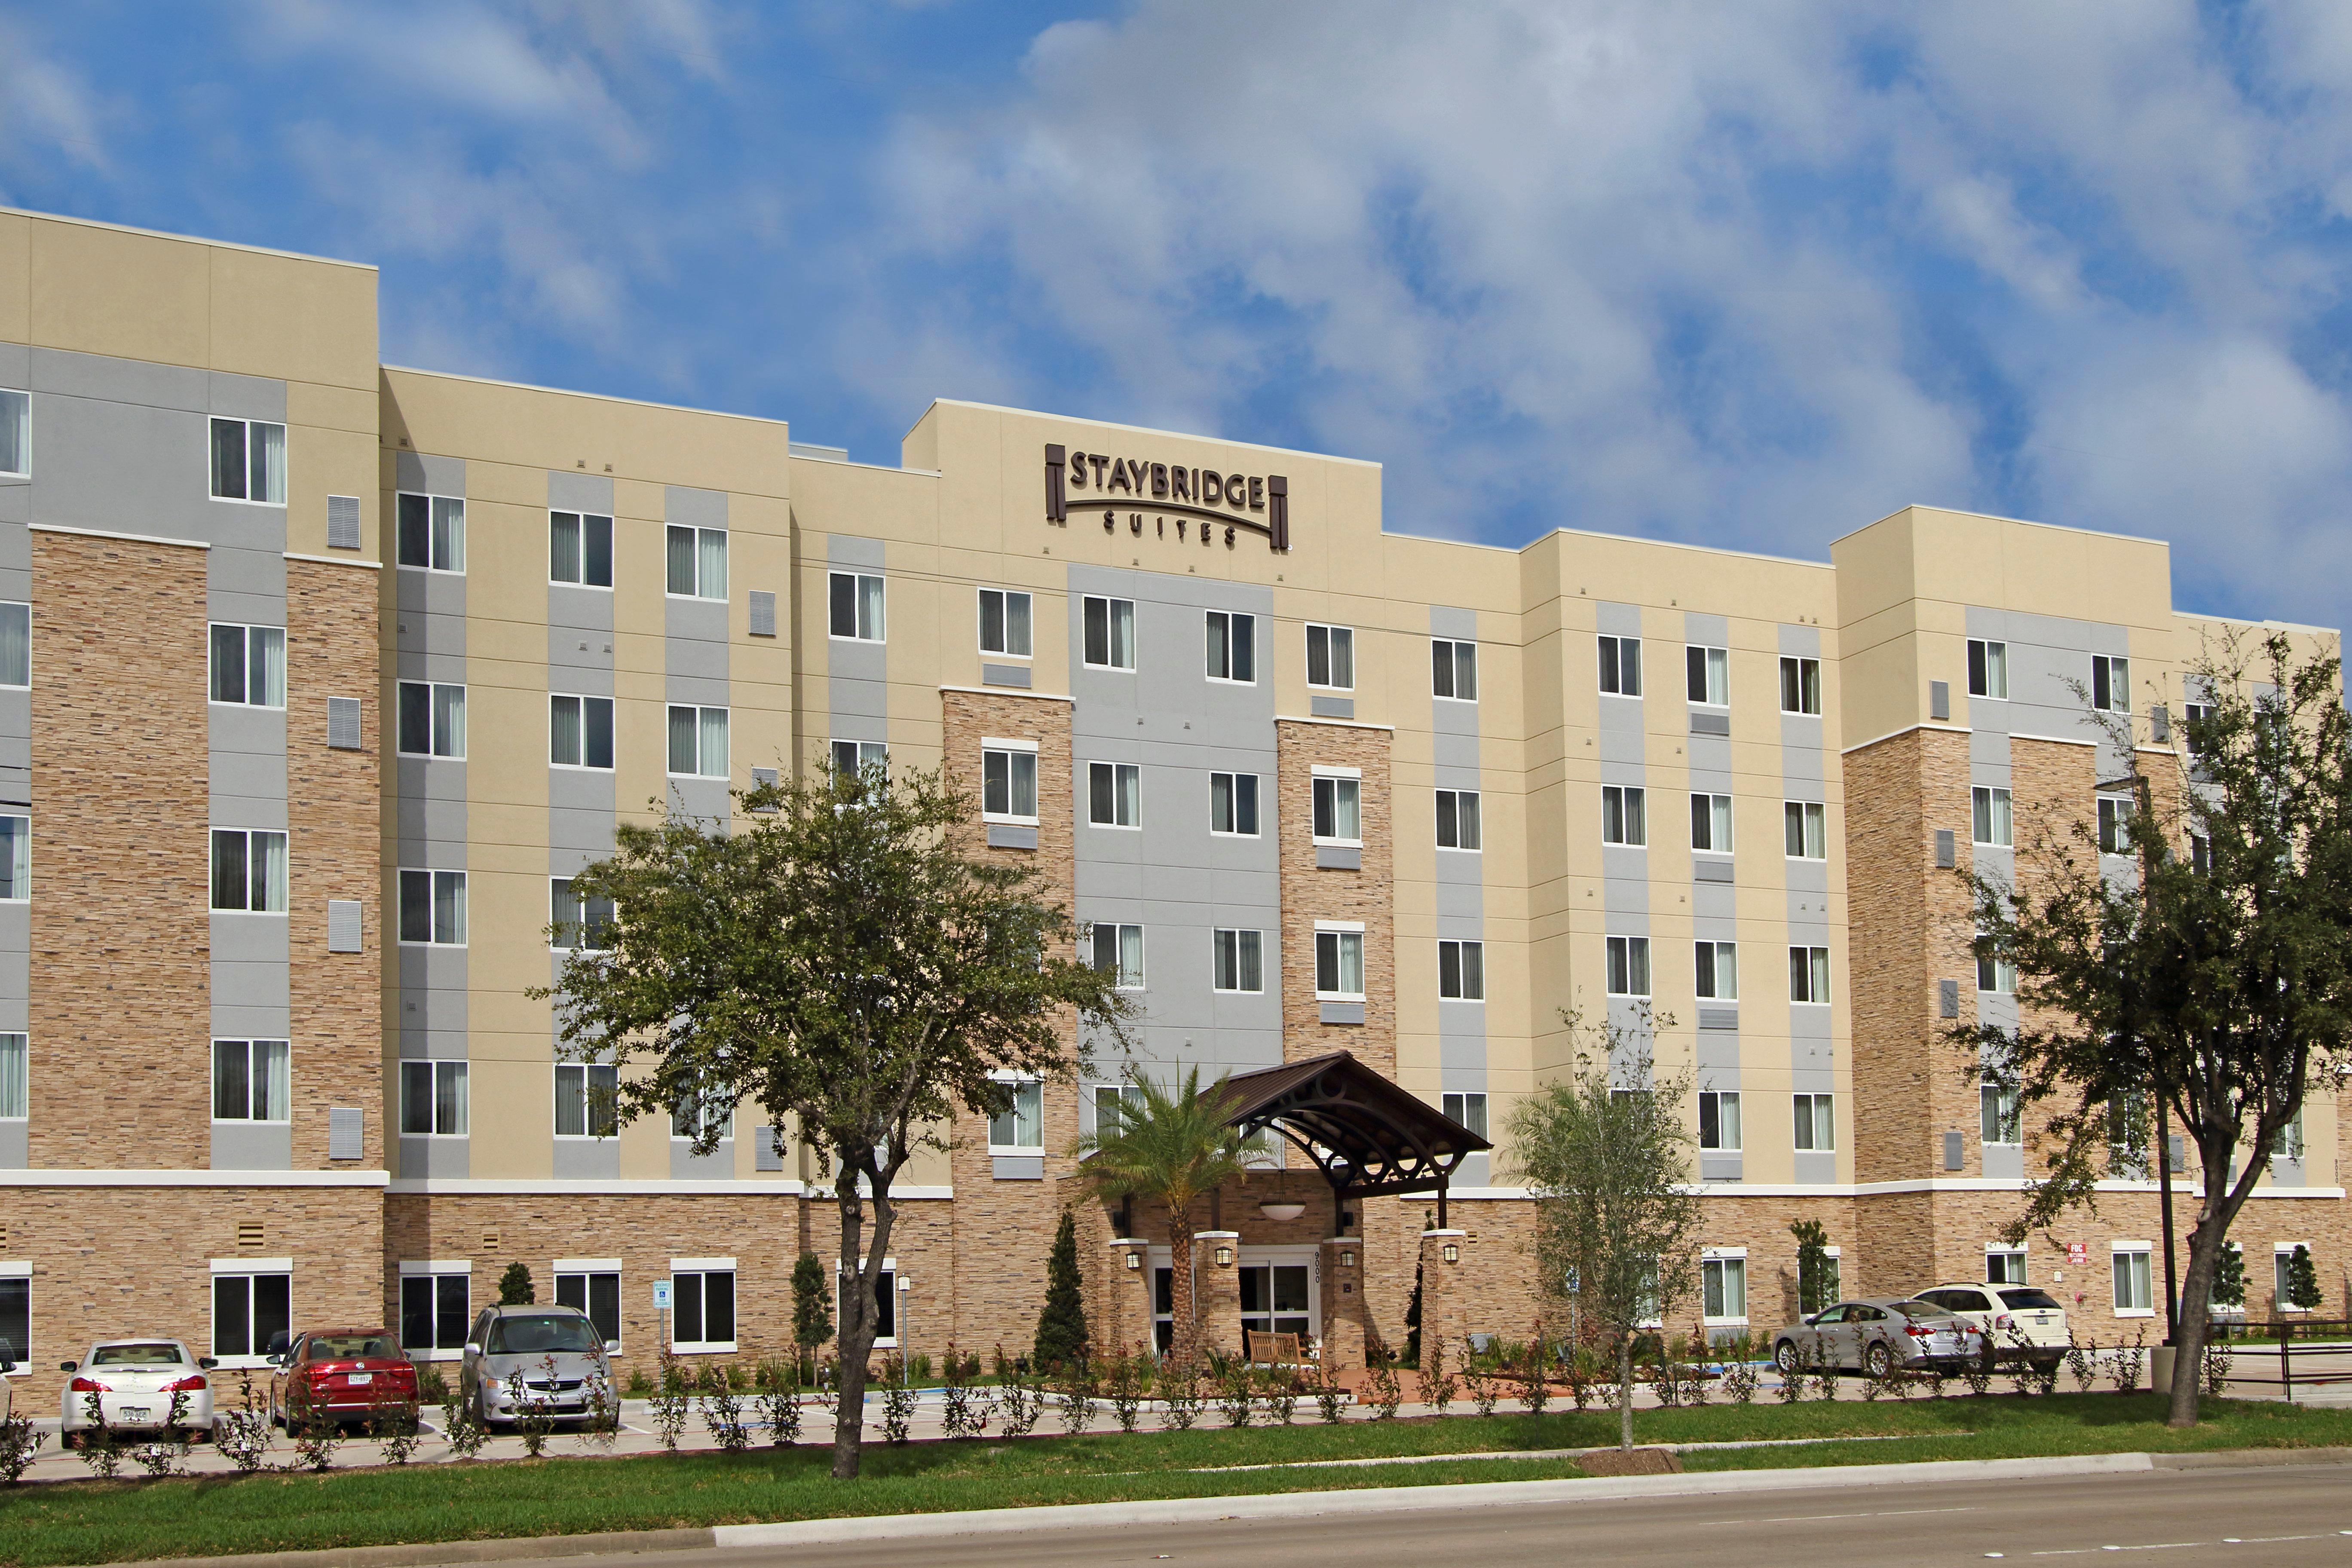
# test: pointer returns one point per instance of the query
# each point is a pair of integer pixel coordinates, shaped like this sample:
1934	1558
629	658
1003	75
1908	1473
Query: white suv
2008	1314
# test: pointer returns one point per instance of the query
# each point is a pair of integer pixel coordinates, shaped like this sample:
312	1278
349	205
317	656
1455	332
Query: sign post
661	1311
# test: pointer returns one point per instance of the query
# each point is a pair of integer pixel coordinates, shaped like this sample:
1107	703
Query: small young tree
1817	1272
2230	1276
2302	1281
837	957
811	1305
1062	1326
515	1288
1605	1154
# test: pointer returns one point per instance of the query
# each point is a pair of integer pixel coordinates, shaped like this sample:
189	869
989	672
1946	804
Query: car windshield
2030	1301
1919	1309
136	1356
350	1347
542	1334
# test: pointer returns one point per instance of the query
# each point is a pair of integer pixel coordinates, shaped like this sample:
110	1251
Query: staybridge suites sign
1200	502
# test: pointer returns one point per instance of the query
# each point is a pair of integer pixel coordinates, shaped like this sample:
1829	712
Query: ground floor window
436	1305
2135	1294
1163	1308
17	1313
702	1306
251	1312
1723	1287
2004	1266
595	1289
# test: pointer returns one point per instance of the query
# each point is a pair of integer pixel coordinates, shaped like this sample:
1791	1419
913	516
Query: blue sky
1749	275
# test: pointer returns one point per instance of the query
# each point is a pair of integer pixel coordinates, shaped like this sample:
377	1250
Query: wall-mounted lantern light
1347	1260
1134	1258
1225	1257
1452	1253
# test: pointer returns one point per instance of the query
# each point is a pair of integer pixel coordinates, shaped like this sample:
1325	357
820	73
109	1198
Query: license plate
133	1413
361	1378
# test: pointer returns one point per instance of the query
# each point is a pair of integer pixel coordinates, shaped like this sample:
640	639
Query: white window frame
1475	819
1616	675
1715	977
1339	931
436	710
250	1049
1998	1109
1110	620
587	1270
1119	773
2145	1252
211	678
1318	776
1992	819
1996	975
1457	1106
1718	807
433	882
2114	815
1713	672
2112	670
1808	673
557	888
244	440
704	1267
1738	1141
1242	939
1019	1082
843	1272
2282	1251
868	752
442	1068
434	1270
17	610
16	844
248	1269
1628	956
612	738
1989	655
1333	638
1012	751
702	763
1816	969
15	1075
433	504
588	1074
1811	815
1809	1141
1004	597
703	589
879	631
16	406
1470	969
2012	1257
1721	1257
581	521
1098	1094
1227	640
279	893
1451	650
1124	979
1631	815
1233	802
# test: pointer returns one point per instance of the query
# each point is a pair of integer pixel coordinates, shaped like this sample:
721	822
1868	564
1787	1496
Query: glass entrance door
1278	1297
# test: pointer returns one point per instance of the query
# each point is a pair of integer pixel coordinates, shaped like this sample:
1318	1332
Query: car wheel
1878	1361
1784	1356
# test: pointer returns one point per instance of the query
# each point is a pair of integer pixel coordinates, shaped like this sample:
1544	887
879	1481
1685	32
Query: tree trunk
1181	1307
1624	1391
2205	1244
857	1316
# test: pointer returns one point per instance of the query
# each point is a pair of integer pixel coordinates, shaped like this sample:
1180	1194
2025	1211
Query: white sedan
137	1382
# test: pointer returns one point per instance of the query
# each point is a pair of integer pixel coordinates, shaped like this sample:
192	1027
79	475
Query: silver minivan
544	1360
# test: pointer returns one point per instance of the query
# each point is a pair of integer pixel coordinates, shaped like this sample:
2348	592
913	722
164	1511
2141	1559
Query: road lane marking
1808	1518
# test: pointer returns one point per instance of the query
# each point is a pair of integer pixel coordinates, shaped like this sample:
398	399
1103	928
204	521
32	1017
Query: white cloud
47	108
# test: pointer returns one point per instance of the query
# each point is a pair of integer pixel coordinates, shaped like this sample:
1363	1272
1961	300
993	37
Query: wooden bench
1275	1350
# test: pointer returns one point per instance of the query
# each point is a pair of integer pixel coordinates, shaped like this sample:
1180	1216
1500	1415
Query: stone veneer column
1311	893
1343	1302
1119	1315
1446	1291
1218	1291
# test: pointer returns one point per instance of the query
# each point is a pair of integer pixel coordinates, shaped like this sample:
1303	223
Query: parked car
1876	1336
2004	1314
520	1358
344	1373
136	1382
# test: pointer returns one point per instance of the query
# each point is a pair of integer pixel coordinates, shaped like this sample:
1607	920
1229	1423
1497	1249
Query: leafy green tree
2230	1277
515	1288
1062	1326
2217	982
837	957
811	1304
1605	1153
2302	1280
1816	1271
1171	1148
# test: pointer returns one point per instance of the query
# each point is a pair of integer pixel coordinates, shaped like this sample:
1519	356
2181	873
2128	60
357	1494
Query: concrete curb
1276	1505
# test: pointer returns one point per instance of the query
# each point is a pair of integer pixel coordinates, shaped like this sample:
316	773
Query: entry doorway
1281	1292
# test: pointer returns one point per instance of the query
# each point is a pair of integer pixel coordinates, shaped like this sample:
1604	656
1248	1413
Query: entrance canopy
1366	1135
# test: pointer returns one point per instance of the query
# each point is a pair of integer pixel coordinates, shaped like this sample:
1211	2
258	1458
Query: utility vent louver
342	522
1939	699
249	1232
343	724
1951	1151
1948	998
1946	852
344	929
346	1133
763	612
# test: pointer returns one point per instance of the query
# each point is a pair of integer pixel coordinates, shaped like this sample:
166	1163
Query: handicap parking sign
661	1294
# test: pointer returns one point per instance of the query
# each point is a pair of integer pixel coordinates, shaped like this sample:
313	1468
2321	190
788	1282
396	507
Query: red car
349	1374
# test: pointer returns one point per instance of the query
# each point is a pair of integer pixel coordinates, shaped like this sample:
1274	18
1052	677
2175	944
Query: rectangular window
249	1081
1801	686
577	922
1808	830
1109	634
251	1312
248	666
1005	623
1240	960
1457	819
698	742
1991	815
1816	1121
2004	1266
1987	669
2134	1288
432	1100
1723	1289
1340	965
1233	804
16	441
698	1113
2114	824
586	1099
2282	1275
2194	717
1709	673
580	548
1112	1102
702	1309
1718	970
2110	683
16	645
1994	973
1620	666
886	1300
249	461
596	1293
1711	824
432	907
1624	815
2290	1138
1462	971
1232	646
1331	657
1629	966
1454	670
248	870
1113	795
17	1320
852	759
1020	1127
432	720
857	607
580	732
698	564
431	532
14	1078
1008	784
1997	1116
435	1310
1466	1110
1119	950
1338	809
16	859
1719	1120
1808	975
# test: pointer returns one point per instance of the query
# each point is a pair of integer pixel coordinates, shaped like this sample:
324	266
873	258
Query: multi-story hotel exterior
319	677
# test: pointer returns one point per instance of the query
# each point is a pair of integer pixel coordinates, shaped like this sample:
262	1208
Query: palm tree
1172	1147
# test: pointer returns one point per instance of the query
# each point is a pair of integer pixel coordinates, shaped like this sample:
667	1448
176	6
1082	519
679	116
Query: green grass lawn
103	1521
